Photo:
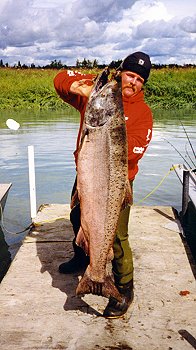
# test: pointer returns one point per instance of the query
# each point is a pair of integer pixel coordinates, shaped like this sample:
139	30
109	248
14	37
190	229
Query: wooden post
32	181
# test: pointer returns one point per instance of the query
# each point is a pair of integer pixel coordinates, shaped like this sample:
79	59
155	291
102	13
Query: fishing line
189	155
188	139
5	229
178	152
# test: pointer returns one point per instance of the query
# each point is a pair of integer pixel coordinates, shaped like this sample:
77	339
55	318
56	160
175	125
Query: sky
41	31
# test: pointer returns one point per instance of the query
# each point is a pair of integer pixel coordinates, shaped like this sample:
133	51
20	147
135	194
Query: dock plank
39	309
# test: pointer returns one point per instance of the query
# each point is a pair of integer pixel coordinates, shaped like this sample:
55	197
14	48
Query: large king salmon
102	182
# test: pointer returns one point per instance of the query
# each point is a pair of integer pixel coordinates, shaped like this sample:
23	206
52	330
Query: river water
53	135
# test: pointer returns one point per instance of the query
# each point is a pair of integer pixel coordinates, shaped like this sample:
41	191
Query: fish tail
105	289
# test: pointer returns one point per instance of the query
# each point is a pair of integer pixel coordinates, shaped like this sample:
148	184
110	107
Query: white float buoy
12	124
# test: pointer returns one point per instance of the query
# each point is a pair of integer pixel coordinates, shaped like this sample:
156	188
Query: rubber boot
115	309
79	261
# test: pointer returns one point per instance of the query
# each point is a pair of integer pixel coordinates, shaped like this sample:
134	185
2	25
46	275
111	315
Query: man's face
131	83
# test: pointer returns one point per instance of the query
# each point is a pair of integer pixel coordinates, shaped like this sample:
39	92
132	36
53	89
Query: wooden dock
39	309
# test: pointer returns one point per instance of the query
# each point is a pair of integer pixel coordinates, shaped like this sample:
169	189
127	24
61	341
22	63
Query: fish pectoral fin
105	289
110	256
81	241
74	200
128	198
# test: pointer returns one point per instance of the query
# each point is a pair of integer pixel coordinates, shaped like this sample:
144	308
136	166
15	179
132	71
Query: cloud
38	31
188	24
25	29
102	11
149	10
159	29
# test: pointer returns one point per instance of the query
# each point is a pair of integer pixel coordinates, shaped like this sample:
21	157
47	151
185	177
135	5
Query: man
74	88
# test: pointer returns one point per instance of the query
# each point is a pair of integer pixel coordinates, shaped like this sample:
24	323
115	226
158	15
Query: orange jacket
138	116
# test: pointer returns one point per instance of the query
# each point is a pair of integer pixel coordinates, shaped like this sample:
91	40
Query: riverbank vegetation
167	88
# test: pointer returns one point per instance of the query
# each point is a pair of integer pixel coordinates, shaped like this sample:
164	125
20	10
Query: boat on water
187	215
188	179
5	256
4	189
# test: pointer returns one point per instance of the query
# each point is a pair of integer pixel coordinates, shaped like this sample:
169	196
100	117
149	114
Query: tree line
85	64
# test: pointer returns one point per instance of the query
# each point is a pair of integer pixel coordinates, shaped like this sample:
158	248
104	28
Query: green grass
33	89
28	89
172	89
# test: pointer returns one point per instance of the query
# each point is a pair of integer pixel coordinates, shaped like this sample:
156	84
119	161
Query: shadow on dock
188	241
54	246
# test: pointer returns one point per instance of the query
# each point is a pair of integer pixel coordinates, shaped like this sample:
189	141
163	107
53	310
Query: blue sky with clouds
39	31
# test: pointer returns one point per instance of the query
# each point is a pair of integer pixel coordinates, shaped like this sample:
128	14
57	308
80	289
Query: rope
5	229
156	187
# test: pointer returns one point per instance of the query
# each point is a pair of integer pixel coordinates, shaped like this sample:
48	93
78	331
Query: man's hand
82	87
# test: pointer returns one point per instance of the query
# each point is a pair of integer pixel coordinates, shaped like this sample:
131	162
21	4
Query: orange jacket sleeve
62	83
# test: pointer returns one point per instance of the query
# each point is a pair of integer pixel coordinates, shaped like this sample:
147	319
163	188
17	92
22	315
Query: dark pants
123	262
